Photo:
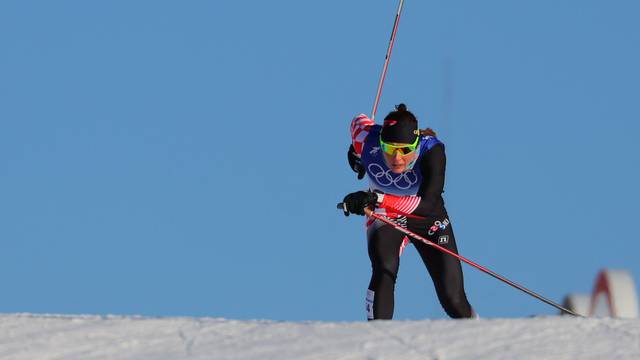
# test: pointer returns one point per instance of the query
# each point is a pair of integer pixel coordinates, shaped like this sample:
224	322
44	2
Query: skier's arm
428	200
360	126
355	162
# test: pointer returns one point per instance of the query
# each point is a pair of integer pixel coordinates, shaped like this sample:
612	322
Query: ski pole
387	59
370	213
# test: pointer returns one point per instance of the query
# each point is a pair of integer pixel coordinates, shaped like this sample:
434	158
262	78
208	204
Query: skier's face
398	162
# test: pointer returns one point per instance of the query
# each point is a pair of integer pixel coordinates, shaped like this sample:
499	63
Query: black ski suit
423	213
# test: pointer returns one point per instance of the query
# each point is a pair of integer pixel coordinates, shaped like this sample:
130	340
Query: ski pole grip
343	207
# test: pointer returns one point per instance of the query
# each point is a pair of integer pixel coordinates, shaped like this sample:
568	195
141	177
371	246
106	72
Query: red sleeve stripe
359	130
360	121
360	135
402	204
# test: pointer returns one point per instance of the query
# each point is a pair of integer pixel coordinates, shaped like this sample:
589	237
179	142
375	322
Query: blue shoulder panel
428	143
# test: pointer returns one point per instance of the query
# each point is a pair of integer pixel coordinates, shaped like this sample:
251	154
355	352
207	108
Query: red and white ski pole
387	59
462	258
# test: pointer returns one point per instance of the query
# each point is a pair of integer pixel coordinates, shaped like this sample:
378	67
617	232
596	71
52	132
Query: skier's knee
386	268
456	306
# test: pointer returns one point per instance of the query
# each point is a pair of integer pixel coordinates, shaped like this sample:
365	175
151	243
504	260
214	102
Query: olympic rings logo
402	181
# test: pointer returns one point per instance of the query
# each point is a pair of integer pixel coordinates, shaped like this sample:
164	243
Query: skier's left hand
355	162
356	202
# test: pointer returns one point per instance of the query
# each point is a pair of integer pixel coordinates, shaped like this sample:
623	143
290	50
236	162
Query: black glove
355	162
355	203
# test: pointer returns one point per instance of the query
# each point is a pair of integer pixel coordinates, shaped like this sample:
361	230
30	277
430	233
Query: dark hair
402	114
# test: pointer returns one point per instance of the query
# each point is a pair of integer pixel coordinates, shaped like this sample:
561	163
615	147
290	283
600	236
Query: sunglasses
403	149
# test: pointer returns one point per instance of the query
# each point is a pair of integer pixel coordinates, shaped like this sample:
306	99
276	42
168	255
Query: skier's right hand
355	162
355	202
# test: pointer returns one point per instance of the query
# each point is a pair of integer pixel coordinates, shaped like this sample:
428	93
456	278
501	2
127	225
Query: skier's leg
384	252
446	273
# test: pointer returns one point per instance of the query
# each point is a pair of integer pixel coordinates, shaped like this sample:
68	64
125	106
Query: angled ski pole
387	59
462	258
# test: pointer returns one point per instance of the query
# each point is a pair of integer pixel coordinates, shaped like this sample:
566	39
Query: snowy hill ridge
44	337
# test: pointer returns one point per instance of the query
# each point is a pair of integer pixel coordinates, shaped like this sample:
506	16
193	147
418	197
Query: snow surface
42	337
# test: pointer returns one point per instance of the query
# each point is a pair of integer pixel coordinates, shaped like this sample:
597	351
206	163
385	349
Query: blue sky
184	158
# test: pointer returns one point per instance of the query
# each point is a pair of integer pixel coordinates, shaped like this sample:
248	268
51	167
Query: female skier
406	168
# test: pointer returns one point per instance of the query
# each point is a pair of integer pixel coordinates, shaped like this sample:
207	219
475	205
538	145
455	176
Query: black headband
399	131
